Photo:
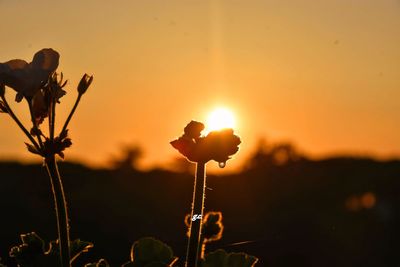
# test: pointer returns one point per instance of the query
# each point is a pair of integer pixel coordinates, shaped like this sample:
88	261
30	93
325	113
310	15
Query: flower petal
193	129
46	59
185	146
219	145
40	107
14	64
44	63
14	73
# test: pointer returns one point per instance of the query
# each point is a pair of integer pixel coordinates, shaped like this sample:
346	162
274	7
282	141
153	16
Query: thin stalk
34	122
61	210
193	252
52	116
71	113
11	113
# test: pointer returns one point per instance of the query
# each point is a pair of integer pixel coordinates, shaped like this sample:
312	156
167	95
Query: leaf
241	260
33	241
153	264
53	248
156	264
148	251
220	258
100	263
32	252
77	247
128	264
215	259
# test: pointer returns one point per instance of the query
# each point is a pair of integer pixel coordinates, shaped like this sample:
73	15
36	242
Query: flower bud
84	83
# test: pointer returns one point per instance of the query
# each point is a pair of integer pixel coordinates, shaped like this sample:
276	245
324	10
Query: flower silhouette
42	87
28	78
217	145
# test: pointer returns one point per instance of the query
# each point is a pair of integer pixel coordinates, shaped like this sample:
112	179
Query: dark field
332	212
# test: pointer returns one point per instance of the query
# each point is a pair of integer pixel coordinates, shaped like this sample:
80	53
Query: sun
220	118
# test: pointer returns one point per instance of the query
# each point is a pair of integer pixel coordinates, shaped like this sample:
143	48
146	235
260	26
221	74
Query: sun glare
220	118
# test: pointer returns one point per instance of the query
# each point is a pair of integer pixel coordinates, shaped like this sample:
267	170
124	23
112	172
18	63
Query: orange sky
323	74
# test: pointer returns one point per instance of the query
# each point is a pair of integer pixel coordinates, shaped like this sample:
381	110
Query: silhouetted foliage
129	158
295	214
34	252
216	145
42	87
212	229
148	252
221	258
277	154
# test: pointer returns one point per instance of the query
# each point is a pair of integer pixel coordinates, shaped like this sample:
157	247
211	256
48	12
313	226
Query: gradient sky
323	74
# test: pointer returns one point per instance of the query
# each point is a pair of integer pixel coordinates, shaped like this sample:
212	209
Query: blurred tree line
283	207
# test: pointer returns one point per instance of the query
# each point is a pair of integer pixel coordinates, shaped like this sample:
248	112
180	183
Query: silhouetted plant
212	229
33	253
38	83
218	146
150	252
221	258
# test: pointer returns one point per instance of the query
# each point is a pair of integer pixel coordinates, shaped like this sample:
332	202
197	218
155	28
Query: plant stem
194	247
52	116
11	113
71	113
61	210
35	126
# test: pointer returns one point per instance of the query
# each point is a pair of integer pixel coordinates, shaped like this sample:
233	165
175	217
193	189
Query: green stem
11	113
193	252
71	113
61	210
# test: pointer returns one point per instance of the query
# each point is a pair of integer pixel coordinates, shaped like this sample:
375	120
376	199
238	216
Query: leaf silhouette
221	258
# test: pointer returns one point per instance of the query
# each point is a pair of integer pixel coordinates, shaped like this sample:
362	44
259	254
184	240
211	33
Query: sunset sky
323	74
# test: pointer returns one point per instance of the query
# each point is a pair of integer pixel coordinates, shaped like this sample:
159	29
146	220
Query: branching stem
78	99
26	132
61	209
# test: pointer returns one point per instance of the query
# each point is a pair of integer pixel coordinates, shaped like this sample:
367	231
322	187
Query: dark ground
294	212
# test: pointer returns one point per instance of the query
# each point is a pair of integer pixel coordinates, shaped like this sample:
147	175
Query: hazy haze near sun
324	74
